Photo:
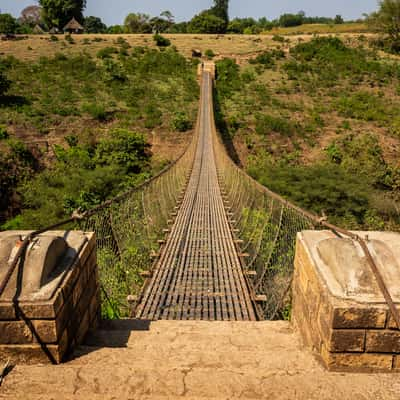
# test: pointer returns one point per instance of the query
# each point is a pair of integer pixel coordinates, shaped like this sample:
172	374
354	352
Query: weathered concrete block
15	332
360	317
383	342
357	362
337	304
343	341
62	294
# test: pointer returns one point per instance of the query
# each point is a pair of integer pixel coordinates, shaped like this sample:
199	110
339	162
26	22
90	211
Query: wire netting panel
267	226
128	228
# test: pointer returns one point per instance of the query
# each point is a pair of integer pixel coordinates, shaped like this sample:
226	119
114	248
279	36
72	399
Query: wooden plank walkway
198	275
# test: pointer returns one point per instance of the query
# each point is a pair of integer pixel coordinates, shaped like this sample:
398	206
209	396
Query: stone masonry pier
52	298
338	306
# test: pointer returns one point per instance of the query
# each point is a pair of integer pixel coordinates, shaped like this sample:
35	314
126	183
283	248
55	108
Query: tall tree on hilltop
31	15
57	13
220	10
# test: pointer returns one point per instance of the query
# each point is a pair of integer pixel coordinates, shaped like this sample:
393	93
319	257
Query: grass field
319	124
321	29
35	46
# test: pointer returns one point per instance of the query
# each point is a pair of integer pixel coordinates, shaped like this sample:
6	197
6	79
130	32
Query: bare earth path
195	360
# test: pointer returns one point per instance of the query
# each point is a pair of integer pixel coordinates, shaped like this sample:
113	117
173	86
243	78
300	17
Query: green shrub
123	148
96	111
228	77
5	83
267	58
114	71
278	38
181	122
329	59
53	38
3	133
152	116
266	124
107	52
319	188
69	39
161	41
209	54
364	106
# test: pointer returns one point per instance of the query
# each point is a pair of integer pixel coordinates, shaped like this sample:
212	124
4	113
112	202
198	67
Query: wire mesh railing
129	227
266	227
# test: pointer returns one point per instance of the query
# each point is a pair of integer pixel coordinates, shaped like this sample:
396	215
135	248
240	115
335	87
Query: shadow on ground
111	334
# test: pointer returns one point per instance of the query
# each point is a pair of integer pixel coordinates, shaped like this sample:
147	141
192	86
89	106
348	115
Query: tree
116	29
163	23
31	15
289	20
168	16
220	10
94	25
57	13
138	23
338	20
387	21
206	22
8	24
159	24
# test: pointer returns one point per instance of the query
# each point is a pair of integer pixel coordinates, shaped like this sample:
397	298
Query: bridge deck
198	275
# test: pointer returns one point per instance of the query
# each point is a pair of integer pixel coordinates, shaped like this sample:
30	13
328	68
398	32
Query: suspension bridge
211	244
208	240
199	275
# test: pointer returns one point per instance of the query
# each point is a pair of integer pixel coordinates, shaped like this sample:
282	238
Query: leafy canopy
206	22
94	25
58	13
8	24
387	20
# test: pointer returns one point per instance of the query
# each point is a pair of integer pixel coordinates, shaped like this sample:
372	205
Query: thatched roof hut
73	26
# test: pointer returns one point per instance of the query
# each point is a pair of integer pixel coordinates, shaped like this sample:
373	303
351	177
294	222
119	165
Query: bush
266	124
125	149
209	54
267	58
107	52
4	84
152	116
68	38
3	133
278	38
53	38
161	41
319	188
228	77
181	122
96	111
363	105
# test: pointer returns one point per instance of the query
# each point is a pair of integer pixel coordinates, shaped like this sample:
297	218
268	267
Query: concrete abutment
52	298
338	307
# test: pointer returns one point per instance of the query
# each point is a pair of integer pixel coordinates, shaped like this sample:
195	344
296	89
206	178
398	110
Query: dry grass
35	46
321	29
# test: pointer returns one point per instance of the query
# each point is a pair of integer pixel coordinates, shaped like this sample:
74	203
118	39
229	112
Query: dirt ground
195	360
